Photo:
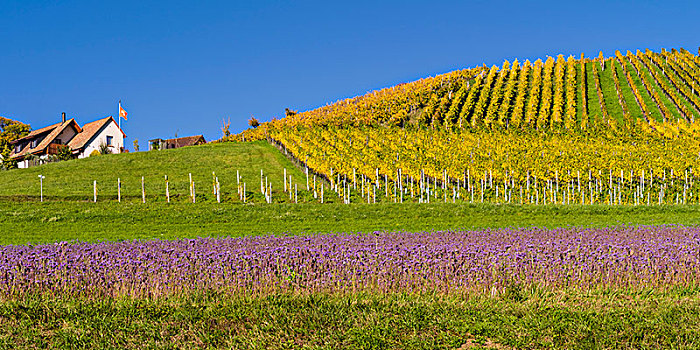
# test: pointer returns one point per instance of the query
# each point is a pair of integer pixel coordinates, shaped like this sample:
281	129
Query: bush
64	153
104	149
253	122
94	153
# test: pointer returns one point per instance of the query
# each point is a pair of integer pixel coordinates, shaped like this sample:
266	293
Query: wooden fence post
41	187
191	186
167	189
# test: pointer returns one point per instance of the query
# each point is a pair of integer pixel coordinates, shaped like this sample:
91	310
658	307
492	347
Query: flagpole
119	115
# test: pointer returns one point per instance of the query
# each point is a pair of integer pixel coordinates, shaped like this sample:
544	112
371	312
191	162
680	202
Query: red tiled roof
89	130
34	133
53	130
186	141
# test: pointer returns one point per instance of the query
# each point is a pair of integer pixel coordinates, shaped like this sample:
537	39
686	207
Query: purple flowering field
444	261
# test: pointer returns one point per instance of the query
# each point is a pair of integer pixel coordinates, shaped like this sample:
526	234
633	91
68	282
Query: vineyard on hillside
616	130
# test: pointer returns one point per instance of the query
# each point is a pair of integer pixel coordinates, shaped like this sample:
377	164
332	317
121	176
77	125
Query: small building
36	147
158	144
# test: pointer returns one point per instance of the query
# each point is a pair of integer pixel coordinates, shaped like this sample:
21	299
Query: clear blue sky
182	67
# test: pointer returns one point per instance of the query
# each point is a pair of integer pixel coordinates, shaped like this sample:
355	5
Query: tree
225	128
253	122
136	145
10	130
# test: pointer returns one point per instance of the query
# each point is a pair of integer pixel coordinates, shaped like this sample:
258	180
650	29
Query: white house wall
110	130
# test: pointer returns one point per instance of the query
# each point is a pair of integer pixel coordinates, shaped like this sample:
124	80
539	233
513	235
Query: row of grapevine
480	109
570	120
510	91
523	90
535	90
497	95
584	100
681	81
662	82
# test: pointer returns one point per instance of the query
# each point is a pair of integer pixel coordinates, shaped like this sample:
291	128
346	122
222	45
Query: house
176	143
41	143
94	134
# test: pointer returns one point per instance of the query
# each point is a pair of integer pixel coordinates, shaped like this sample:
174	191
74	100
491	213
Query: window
109	140
35	143
18	148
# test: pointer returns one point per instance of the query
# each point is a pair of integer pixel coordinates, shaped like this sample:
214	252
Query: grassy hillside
73	180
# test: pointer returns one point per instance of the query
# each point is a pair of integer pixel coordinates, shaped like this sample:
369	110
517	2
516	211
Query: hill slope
556	93
73	180
617	130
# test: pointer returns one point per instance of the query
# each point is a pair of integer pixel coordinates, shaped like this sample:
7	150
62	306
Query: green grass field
644	319
31	222
513	320
69	214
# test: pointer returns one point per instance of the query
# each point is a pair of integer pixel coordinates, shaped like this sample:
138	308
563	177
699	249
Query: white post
244	196
354	182
191	186
41	188
167	189
218	191
94	191
296	197
307	178
321	192
119	190
143	191
194	194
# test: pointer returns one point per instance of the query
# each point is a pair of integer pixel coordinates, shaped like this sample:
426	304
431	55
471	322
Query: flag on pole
122	112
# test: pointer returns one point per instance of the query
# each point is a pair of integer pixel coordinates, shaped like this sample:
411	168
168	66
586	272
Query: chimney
63	115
